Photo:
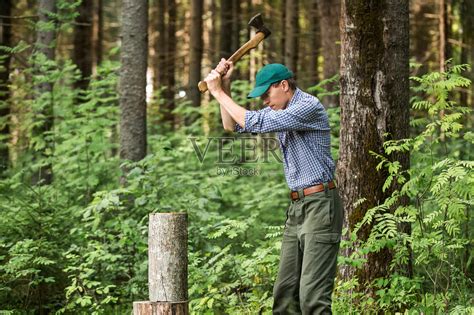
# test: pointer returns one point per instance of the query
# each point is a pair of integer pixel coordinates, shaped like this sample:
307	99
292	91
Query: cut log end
160	308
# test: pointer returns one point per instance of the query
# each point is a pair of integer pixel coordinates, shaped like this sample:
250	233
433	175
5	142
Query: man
314	218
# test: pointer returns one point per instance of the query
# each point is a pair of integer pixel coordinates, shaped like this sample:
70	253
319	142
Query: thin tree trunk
329	16
213	37
133	79
236	21
374	102
159	65
226	30
5	40
196	52
422	28
99	48
236	28
314	43
169	104
45	45
442	35
82	55
283	30
291	35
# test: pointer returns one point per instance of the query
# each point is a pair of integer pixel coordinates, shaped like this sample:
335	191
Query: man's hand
225	68
214	82
220	77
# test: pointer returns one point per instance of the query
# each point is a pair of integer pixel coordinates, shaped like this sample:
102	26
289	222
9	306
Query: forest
102	124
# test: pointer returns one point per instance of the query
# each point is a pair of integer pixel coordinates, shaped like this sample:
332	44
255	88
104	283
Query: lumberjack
314	217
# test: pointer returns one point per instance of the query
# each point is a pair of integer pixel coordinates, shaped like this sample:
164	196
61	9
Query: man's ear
286	86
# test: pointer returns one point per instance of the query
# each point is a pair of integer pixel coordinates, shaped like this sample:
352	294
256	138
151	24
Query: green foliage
439	187
79	245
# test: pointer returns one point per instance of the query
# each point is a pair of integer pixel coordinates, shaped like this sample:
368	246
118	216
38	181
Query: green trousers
309	255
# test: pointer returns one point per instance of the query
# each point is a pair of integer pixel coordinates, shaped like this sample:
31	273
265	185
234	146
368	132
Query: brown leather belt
311	190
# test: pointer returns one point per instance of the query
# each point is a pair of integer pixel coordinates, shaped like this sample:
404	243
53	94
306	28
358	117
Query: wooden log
160	308
168	257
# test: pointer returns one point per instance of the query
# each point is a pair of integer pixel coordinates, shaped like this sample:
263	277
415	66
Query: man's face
276	96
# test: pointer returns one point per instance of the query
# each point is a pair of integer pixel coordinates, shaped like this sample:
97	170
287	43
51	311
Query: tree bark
133	80
213	35
82	55
161	308
291	35
329	17
315	43
467	48
236	28
422	28
236	21
99	32
45	45
5	40
159	65
443	32
168	257
170	65
283	29
196	52
374	101
226	30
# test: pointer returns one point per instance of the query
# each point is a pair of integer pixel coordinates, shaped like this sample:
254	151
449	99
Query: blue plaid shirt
304	136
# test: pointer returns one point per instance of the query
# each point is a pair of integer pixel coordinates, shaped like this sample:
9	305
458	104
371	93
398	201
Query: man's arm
231	113
225	68
227	121
232	109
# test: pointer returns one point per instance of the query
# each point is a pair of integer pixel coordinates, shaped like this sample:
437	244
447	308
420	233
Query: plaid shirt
304	136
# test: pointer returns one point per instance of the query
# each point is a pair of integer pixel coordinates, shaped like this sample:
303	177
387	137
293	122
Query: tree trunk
467	48
45	45
82	55
170	64
5	40
99	32
329	16
291	35
196	52
225	30
161	308
374	101
236	28
133	80
422	28
467	56
443	34
236	21
159	64
283	30
314	43
168	257
213	36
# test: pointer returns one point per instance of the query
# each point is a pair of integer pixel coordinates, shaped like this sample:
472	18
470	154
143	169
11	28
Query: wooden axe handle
251	44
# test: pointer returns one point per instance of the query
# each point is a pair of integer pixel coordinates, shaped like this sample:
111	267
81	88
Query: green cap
268	75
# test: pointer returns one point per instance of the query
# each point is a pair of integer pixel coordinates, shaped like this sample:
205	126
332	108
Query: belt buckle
300	193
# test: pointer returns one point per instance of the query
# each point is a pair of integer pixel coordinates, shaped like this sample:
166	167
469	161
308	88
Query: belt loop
301	193
326	188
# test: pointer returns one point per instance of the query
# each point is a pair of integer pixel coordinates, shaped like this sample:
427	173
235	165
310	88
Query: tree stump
167	266
159	308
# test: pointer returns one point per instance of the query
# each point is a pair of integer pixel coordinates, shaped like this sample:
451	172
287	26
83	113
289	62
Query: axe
262	32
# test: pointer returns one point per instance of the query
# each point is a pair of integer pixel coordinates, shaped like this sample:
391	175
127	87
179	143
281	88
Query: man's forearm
230	110
227	121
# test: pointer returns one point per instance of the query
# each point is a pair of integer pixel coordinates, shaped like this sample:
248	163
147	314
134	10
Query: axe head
257	22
